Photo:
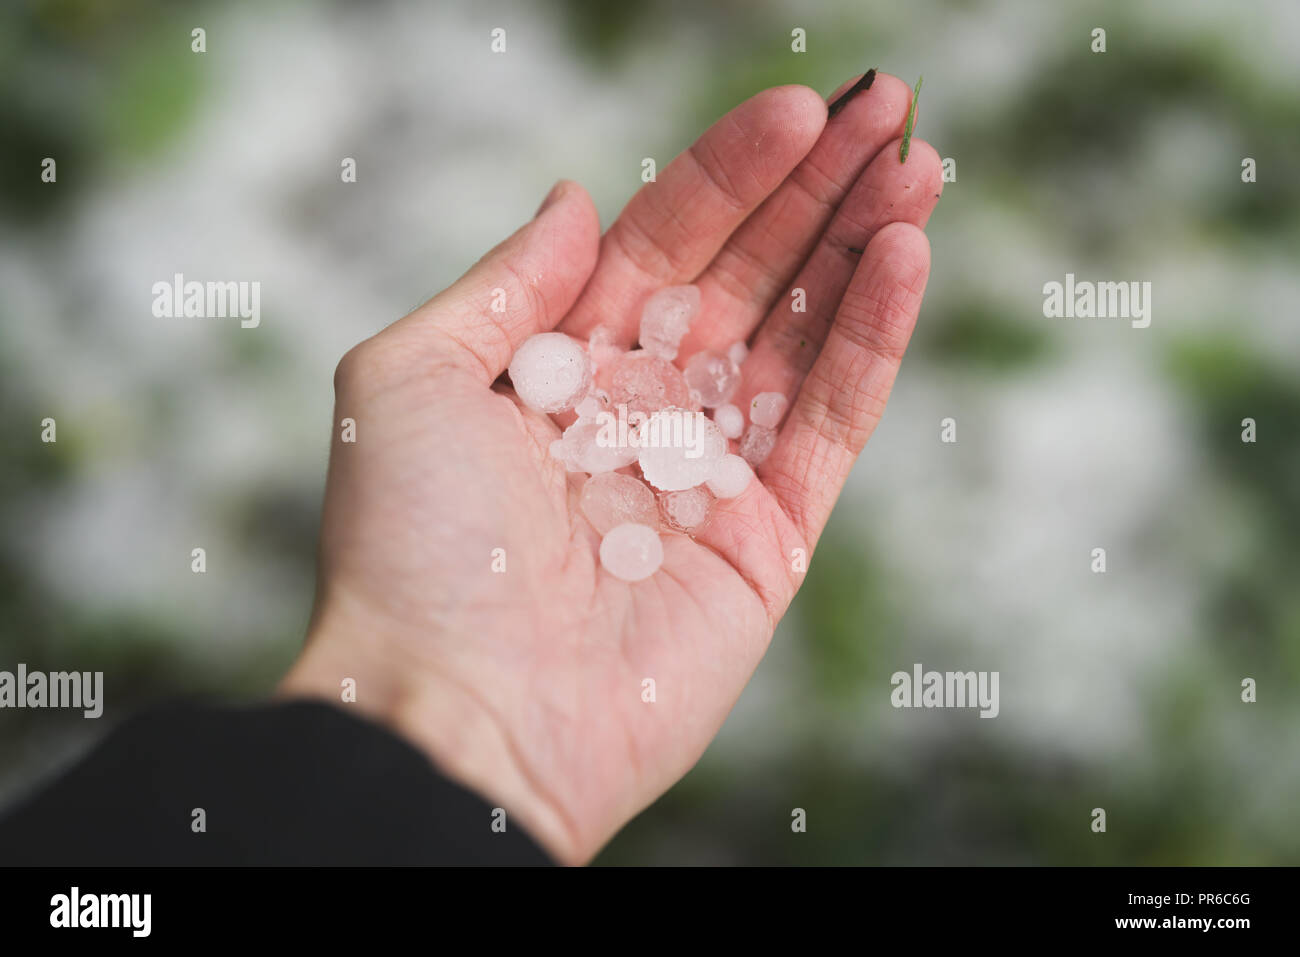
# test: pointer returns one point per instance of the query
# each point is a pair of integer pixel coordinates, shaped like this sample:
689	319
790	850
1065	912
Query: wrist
451	724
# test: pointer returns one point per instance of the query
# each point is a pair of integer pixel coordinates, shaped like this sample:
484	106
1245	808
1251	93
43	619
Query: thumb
523	286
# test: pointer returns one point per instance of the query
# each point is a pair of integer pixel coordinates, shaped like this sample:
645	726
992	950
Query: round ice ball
686	510
757	444
646	383
767	409
551	372
713	376
731	476
631	552
730	420
586	447
610	499
678	449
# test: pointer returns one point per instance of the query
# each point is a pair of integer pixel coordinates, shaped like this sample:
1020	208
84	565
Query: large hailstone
730	477
631	551
551	372
686	510
583	448
610	499
713	376
679	449
646	383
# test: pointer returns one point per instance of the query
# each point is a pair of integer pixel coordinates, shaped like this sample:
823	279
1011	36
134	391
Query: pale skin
528	685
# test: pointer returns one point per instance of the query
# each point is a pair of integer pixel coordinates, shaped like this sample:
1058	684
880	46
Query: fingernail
551	197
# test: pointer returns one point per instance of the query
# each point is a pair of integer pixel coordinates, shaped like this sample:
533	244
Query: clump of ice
713	376
611	499
685	510
602	345
666	318
757	444
729	420
679	449
731	476
590	407
550	372
767	409
584	447
646	383
653	460
631	552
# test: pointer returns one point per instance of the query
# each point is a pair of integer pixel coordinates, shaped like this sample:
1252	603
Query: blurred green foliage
979	335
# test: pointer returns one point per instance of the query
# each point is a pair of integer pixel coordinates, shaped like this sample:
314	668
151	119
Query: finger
523	286
761	258
673	227
788	342
755	536
845	393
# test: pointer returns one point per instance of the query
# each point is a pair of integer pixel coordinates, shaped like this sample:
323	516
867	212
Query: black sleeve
293	783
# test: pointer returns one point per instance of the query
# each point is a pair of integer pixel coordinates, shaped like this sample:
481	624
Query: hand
527	685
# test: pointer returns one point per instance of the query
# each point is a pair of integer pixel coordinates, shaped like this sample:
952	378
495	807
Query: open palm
459	582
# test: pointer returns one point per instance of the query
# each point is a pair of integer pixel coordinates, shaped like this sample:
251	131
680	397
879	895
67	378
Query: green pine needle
911	121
